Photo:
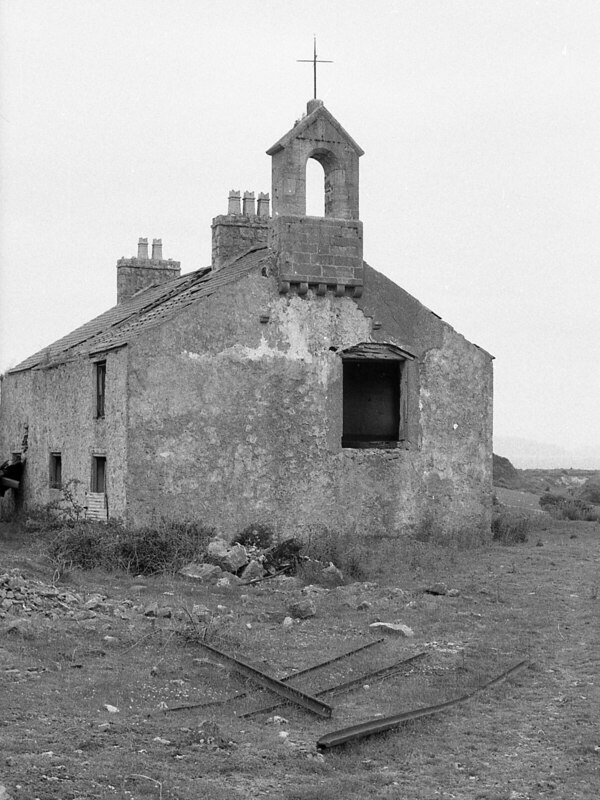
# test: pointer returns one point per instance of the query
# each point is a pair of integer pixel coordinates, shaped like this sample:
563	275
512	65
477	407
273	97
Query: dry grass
533	737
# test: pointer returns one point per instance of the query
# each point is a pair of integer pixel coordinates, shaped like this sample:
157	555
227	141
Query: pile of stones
20	596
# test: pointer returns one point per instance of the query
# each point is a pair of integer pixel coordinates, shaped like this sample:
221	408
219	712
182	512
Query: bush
143	551
164	549
83	544
590	491
509	527
569	508
256	535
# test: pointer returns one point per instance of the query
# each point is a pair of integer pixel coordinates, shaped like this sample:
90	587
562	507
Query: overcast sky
480	183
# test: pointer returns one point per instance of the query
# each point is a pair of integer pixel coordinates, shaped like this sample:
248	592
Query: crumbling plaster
234	420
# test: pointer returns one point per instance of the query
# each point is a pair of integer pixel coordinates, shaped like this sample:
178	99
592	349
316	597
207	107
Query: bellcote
320	136
320	253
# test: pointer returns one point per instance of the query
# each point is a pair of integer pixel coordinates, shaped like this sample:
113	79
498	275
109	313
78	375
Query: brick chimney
135	274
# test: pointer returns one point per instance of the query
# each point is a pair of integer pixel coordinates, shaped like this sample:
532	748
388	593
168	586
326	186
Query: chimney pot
249	206
234	203
143	248
157	249
263	204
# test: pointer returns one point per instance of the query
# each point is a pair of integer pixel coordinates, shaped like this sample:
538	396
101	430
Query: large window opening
371	402
375	395
55	471
100	375
99	474
315	189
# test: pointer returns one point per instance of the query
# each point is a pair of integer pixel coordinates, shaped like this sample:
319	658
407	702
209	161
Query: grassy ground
534	736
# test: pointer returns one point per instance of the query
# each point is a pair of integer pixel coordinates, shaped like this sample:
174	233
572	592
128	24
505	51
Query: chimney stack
263	204
234	203
156	249
142	248
135	274
249	209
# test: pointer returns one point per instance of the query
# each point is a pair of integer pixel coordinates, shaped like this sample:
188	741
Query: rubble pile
19	596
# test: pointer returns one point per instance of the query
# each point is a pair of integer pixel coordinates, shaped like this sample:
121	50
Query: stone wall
234	419
57	403
135	274
318	252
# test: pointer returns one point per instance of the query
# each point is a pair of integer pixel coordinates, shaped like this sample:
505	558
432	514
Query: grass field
65	667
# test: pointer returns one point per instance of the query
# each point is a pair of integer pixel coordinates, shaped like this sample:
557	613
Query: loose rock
393	627
204	573
302	609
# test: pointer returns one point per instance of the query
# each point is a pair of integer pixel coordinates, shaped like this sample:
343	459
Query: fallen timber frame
372	726
285	679
380	674
277	686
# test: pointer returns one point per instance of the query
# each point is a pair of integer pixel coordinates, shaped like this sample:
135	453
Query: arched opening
315	189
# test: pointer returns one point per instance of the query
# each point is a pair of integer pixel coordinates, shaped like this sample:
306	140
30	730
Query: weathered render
290	384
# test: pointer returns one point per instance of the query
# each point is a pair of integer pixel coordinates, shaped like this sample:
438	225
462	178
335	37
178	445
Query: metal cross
314	61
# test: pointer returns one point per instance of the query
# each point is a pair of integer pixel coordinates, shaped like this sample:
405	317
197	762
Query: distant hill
505	475
581	483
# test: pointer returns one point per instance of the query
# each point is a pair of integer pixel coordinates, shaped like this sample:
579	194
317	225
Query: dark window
100	372
373	402
55	471
99	474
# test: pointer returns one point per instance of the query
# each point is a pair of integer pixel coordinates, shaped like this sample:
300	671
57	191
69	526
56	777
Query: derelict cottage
288	383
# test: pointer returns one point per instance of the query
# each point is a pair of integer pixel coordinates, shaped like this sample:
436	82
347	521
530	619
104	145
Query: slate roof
144	310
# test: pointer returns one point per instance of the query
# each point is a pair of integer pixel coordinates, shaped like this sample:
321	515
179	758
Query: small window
55	471
100	374
99	474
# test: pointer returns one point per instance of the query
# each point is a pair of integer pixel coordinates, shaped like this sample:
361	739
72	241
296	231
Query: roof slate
144	310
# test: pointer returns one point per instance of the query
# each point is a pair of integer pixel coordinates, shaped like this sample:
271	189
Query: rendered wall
58	405
233	420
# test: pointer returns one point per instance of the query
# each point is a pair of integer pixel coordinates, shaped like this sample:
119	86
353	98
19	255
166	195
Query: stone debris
437	588
253	570
333	575
203	573
393	627
302	609
19	596
230	558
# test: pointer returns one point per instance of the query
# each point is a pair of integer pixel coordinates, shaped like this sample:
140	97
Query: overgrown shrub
509	527
257	534
569	508
165	547
84	544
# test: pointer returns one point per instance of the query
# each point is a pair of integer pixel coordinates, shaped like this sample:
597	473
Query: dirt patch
93	669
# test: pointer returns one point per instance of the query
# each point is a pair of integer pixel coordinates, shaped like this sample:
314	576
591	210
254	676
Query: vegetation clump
509	527
257	534
163	548
570	508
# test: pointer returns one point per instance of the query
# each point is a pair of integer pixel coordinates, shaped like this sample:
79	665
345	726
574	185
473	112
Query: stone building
290	383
